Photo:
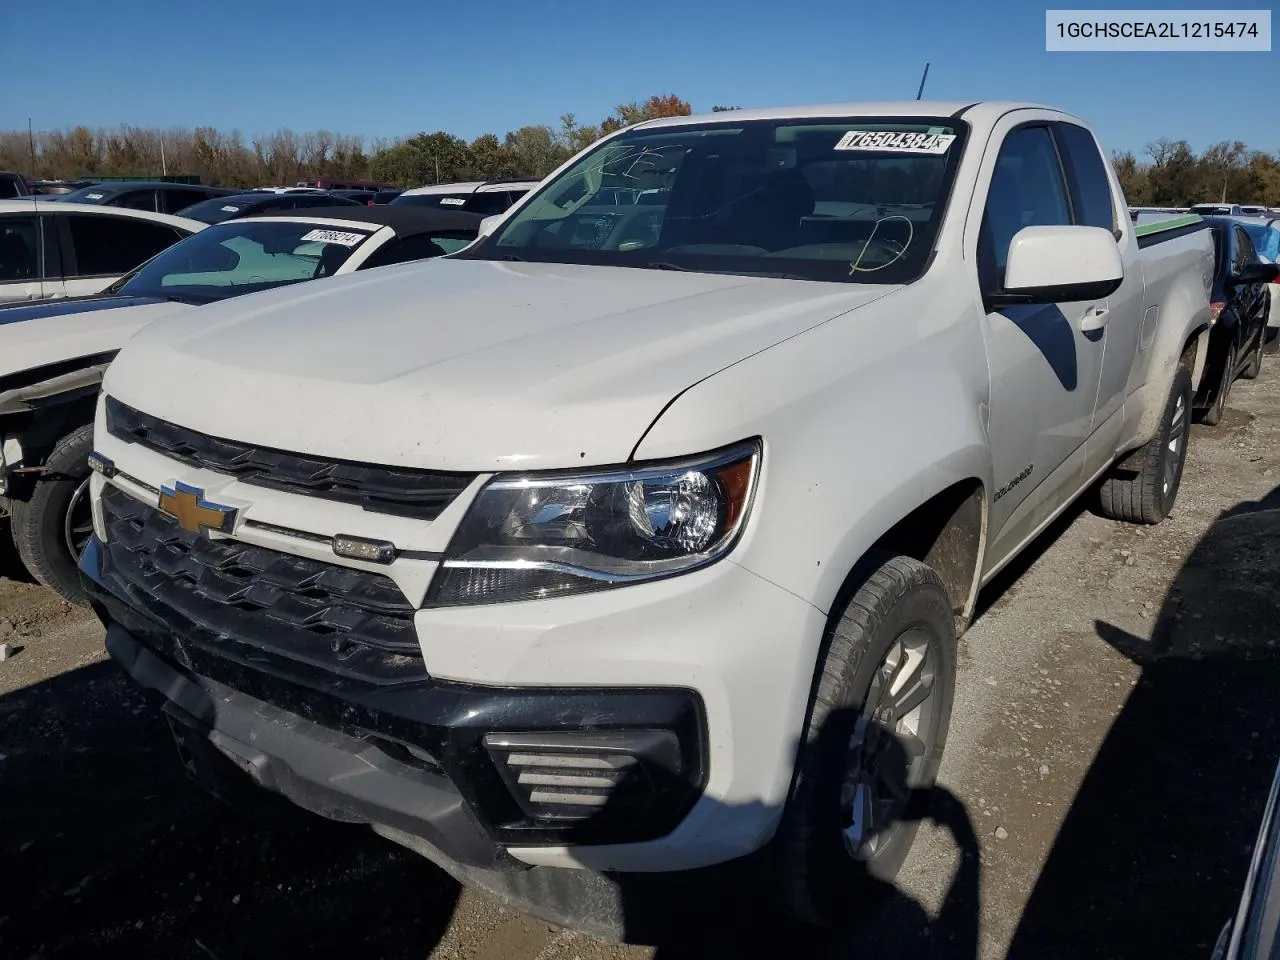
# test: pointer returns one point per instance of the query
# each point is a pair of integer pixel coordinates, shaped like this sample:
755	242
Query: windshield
95	193
242	256
854	200
432	200
217	209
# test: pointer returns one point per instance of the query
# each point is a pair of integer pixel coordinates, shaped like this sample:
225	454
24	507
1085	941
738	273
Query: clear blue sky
396	67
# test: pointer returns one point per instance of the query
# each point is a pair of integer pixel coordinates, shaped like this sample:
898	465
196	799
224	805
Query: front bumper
409	760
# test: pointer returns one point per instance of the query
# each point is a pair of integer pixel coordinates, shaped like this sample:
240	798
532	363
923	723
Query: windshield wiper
666	265
512	258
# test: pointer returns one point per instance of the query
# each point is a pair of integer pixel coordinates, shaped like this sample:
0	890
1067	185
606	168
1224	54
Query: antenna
920	92
35	203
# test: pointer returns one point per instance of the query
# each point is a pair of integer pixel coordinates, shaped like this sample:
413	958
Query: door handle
1095	318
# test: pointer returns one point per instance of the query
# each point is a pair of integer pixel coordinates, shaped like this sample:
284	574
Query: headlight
529	537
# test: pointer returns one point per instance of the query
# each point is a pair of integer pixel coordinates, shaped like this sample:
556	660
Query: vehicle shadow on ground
738	914
109	851
1152	855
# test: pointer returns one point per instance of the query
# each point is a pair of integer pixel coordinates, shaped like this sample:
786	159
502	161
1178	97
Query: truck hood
463	364
38	334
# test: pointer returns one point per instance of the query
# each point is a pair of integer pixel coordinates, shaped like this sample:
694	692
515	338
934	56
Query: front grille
244	598
400	491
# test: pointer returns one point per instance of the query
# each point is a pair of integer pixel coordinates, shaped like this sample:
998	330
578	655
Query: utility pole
164	167
920	92
31	144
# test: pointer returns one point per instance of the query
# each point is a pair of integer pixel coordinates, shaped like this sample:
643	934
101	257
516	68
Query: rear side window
1090	188
9	187
1027	190
136	200
174	200
488	203
403	249
109	246
19	249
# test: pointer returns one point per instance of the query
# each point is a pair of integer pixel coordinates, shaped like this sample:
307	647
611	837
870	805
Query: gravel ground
1113	739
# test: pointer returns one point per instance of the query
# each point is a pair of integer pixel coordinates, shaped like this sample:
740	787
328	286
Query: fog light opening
558	777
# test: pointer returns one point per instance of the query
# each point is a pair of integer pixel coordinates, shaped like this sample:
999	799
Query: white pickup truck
636	538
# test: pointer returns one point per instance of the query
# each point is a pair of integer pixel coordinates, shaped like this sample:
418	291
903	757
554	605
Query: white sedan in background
50	249
52	355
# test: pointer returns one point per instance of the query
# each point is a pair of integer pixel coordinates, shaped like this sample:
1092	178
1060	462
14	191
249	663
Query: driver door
1045	360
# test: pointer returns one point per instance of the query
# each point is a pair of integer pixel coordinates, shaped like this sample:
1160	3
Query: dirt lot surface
1114	736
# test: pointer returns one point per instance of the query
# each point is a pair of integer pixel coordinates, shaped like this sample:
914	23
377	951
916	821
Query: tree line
1169	173
283	158
1172	174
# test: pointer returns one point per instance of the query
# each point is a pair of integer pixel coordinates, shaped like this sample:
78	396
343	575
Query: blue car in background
1265	234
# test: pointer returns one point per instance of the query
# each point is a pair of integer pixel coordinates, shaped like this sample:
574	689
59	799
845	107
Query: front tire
1143	487
876	732
51	527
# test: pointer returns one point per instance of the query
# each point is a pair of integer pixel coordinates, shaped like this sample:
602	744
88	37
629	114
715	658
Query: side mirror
1060	263
489	224
1257	273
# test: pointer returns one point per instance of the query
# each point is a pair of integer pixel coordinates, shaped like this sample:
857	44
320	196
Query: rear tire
1143	487
877	727
51	526
1255	358
1213	415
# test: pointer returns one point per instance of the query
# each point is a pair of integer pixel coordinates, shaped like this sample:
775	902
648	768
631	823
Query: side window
488	203
1245	254
136	200
19	249
174	200
402	250
1027	190
454	243
1087	173
107	246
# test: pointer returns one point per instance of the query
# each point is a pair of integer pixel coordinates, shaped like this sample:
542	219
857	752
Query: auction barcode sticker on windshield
335	236
895	141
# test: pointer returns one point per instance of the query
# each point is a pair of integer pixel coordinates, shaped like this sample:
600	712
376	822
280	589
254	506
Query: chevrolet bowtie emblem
194	513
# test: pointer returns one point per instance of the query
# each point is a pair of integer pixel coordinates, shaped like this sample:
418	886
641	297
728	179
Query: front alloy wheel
895	720
875	734
1174	454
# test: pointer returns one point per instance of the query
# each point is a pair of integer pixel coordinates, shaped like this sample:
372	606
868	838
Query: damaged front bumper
430	765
